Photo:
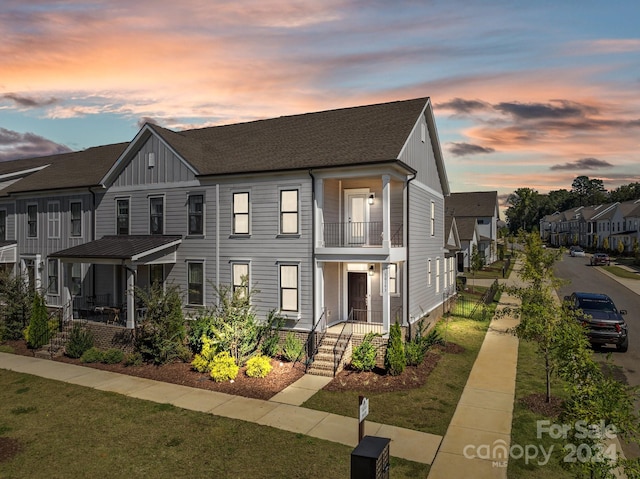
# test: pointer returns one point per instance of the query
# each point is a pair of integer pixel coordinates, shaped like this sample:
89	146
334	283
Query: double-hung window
433	218
53	219
240	273
76	279
393	278
75	208
289	287
289	212
156	215
195	272
241	213
122	214
196	214
32	221
52	275
156	274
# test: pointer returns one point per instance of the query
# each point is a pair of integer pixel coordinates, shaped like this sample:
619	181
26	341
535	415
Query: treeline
526	206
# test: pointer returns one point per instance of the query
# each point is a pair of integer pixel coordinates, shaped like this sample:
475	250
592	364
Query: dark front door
358	296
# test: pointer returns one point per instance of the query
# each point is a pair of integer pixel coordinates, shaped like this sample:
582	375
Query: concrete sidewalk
281	412
482	421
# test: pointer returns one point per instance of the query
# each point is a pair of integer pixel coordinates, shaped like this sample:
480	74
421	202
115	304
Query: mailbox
370	459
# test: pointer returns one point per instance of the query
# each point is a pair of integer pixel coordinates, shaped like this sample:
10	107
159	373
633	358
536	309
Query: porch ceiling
116	249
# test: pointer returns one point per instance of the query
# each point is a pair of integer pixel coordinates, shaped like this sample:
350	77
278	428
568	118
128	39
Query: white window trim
73	202
204	213
237	262
204	275
282	311
57	262
437	275
53	220
128	200
433	218
6	217
163	275
27	221
429	273
233	213
297	211
398	276
164	212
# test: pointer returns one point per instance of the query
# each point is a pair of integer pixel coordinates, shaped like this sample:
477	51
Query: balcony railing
363	233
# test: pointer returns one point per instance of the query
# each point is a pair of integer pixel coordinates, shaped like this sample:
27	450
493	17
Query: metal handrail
347	331
314	339
359	233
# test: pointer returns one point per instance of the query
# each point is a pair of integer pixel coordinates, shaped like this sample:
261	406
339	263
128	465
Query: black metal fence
360	233
473	306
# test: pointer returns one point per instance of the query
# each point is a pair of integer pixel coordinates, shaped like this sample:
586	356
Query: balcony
359	234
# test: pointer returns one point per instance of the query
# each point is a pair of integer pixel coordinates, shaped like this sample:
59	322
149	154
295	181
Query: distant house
481	208
316	210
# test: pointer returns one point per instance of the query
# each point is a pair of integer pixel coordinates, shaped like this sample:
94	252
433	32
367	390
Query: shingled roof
118	247
474	203
348	136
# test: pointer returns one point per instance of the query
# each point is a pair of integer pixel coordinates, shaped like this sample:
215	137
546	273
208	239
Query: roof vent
151	160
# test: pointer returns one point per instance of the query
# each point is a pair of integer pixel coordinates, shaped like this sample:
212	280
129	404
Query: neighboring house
469	237
324	213
483	208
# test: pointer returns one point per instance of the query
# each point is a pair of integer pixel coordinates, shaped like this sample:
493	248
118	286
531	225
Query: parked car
600	259
576	251
603	321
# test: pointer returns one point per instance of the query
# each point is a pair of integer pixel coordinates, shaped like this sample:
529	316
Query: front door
357	299
357	216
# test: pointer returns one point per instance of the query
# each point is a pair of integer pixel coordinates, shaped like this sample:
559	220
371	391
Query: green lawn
621	272
524	432
71	431
429	408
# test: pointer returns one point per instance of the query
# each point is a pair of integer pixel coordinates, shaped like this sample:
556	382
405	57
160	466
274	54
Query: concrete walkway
281	412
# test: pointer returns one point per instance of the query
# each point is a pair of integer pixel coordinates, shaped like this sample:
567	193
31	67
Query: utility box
370	459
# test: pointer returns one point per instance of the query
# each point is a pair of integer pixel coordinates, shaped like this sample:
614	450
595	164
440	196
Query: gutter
313	249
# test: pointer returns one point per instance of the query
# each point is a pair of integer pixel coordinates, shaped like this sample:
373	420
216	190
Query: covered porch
119	265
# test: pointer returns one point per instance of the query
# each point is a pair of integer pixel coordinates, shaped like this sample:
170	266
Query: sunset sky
526	94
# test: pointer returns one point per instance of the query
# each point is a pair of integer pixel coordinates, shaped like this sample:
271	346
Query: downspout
408	315
313	250
93	237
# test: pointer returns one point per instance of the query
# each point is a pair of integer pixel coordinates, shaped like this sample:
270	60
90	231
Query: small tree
476	263
395	360
605	244
620	247
37	333
160	338
364	355
16	301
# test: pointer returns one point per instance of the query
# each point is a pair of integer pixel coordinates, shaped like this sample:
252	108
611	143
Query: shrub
269	333
223	367
258	366
113	356
292	349
202	361
364	356
160	338
80	339
38	332
92	355
395	360
414	353
133	359
16	301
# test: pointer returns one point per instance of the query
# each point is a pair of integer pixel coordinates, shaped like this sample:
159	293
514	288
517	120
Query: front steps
331	346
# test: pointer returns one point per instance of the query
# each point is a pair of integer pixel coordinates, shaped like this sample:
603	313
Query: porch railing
84	307
340	347
361	233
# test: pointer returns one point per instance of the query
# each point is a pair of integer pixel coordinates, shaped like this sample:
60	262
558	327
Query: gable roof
359	135
467	228
475	204
66	170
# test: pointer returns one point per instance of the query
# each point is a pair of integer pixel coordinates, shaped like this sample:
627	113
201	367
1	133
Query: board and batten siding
9	208
419	155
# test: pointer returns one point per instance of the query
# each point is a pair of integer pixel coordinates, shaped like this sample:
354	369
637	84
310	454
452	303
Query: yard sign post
364	412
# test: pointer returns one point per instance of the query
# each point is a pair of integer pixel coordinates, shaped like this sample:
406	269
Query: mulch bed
537	402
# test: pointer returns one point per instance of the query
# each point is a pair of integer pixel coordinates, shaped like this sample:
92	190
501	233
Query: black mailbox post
370	458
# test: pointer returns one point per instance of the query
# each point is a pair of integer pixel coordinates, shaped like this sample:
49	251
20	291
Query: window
289	287
437	275
122	213
423	132
240	213
196	214
3	225
156	274
53	219
393	278
429	272
76	279
156	211
195	273
433	218
76	218
289	212
32	221
240	278
52	274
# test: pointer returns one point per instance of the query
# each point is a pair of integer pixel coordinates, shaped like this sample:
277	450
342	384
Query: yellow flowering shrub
258	366
223	367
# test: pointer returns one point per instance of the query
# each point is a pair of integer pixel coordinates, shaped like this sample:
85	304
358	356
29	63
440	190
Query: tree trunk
548	373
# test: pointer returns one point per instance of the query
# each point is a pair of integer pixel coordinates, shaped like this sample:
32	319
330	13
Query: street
587	278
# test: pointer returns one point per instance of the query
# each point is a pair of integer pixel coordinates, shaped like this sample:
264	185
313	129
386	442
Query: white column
319	216
386	300
319	291
386	211
131	296
67	304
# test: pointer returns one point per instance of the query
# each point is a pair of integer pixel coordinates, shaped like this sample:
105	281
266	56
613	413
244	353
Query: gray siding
420	156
